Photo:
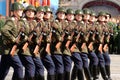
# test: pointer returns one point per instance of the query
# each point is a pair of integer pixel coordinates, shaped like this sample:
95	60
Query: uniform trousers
8	61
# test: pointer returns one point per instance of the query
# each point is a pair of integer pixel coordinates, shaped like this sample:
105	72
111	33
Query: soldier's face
70	17
47	15
86	16
40	15
30	13
18	13
61	15
101	18
78	17
92	18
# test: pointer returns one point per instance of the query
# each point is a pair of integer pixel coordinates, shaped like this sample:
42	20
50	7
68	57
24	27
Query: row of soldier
38	40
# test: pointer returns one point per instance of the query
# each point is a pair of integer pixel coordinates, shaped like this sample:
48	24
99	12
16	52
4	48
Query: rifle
48	44
69	41
38	44
33	35
20	37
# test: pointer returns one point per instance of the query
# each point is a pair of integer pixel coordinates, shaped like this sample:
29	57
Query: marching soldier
57	39
78	64
83	48
11	32
69	24
93	65
26	47
106	48
39	71
45	51
100	43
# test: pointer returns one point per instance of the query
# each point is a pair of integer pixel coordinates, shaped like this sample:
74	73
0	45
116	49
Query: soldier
26	48
111	43
78	64
100	43
2	22
39	68
67	41
57	39
92	55
46	45
108	40
11	35
83	48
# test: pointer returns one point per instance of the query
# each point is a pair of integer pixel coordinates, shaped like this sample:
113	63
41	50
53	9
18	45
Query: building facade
112	6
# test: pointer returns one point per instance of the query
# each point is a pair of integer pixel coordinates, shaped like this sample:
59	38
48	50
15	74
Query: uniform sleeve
24	25
8	31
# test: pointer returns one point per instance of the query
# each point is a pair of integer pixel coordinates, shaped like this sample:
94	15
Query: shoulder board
66	20
97	22
12	18
56	20
82	22
75	21
24	19
34	21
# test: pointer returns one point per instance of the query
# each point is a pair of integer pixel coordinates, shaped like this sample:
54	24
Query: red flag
44	2
33	2
37	3
48	2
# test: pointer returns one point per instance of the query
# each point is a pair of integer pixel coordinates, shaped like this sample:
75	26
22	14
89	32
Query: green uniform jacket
70	25
57	26
32	44
9	32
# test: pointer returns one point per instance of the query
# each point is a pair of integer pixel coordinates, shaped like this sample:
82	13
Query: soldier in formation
12	35
36	41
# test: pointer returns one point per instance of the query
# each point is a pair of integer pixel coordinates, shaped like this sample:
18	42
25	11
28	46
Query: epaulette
82	22
56	20
97	22
34	21
12	18
66	20
24	19
74	21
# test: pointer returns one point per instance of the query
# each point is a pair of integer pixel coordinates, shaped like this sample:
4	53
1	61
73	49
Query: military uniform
26	56
83	48
57	43
107	42
77	70
46	56
91	48
99	47
10	31
39	67
68	30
